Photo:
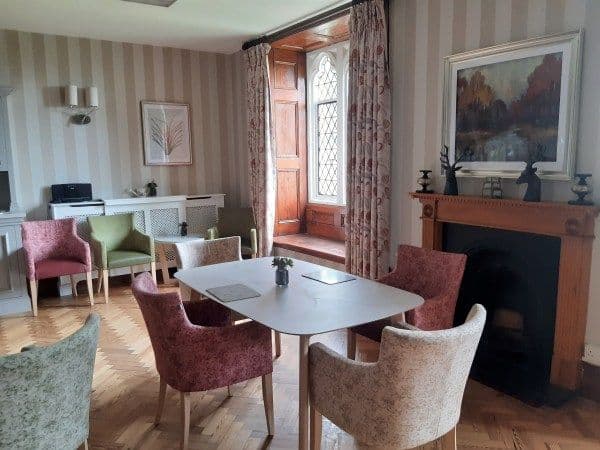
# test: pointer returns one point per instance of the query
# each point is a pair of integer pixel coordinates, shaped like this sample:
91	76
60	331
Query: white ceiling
208	25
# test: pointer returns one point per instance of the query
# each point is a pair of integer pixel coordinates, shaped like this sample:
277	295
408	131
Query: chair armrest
211	357
140	242
436	313
80	250
29	256
207	313
254	242
388	278
339	384
212	233
100	254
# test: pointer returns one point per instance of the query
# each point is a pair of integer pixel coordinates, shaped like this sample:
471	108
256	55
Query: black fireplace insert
515	276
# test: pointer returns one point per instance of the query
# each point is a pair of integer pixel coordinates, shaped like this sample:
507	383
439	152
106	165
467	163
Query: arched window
326	107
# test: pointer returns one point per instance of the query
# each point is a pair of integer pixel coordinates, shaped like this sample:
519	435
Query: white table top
306	306
173	239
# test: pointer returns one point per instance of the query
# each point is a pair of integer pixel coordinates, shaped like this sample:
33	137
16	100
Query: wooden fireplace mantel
574	225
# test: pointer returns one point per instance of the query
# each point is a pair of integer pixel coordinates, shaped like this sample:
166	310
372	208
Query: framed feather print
166	131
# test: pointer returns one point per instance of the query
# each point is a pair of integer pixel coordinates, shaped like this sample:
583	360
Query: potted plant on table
282	276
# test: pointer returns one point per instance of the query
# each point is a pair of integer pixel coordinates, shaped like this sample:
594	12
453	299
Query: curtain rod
303	25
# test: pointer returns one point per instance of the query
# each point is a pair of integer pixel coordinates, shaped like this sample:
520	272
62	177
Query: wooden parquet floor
125	391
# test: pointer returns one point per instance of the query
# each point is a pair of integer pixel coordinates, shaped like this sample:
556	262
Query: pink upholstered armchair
411	396
52	249
196	349
434	275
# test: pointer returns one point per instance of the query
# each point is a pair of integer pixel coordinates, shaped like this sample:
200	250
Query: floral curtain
369	143
261	145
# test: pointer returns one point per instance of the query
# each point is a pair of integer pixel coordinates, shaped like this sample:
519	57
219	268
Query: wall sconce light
81	116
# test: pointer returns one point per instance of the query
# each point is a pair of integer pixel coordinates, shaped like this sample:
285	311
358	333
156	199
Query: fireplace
513	329
515	277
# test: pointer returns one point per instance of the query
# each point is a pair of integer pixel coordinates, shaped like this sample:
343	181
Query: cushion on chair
126	258
50	268
246	250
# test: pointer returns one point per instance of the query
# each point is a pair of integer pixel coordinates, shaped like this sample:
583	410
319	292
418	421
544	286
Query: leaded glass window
327	69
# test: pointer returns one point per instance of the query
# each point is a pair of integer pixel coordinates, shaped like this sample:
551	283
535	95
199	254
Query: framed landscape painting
509	103
166	131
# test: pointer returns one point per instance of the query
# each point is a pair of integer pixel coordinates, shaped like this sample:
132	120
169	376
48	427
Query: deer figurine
529	177
450	170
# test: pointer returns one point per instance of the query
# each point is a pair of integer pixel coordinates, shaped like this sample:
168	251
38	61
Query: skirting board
591	354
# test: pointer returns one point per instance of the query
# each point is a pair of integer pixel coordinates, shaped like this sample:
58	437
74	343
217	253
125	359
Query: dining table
304	308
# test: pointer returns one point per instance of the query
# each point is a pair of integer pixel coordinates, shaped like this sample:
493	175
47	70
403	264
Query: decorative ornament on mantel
529	177
450	170
492	188
424	181
581	188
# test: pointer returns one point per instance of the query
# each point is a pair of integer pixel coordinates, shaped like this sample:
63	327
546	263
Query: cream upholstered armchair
411	396
204	253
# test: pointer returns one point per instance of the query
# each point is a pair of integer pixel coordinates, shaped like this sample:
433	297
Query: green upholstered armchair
117	243
237	222
45	392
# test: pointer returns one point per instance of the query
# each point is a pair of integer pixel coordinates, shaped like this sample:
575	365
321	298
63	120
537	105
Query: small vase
282	277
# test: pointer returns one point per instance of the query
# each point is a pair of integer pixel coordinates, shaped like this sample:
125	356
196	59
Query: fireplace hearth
515	276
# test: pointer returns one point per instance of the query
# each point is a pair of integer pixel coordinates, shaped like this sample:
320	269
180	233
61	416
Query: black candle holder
424	181
581	189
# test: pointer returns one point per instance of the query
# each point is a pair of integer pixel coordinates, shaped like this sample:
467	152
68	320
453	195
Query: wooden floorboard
125	393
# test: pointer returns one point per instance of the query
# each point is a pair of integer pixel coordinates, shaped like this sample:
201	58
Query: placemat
233	292
329	276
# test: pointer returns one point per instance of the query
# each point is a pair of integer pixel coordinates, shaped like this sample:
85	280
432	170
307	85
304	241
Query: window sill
328	249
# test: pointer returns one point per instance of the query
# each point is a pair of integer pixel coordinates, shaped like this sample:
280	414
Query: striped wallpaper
422	32
108	152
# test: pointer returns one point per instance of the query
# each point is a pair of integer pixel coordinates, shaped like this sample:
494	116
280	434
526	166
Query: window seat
327	249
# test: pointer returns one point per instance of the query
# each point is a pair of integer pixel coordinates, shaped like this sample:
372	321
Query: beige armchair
204	253
411	396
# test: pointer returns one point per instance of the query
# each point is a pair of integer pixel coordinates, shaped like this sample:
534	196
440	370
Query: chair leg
99	288
228	391
350	344
33	286
267	391
277	344
153	270
448	440
85	444
105	282
185	419
73	286
162	391
90	287
132	273
316	426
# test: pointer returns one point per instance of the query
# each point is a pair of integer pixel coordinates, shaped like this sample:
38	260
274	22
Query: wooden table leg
303	435
164	266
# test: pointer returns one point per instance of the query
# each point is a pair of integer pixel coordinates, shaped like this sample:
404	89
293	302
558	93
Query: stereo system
71	193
